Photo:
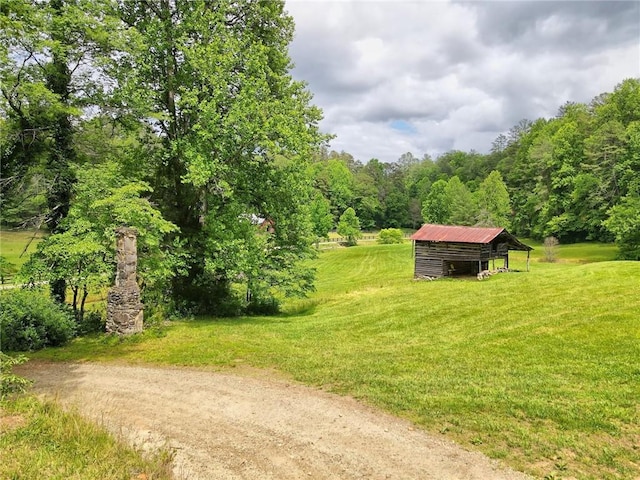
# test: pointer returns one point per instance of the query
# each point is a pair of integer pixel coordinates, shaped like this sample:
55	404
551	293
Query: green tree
419	178
435	208
83	253
630	165
321	217
375	173
494	206
236	133
334	179
624	224
349	226
396	198
7	269
462	205
366	199
52	72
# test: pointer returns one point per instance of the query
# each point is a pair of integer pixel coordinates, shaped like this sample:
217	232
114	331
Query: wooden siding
429	267
439	259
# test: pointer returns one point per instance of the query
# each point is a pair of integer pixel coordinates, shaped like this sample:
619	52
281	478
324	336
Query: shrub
7	270
29	321
10	382
390	235
93	321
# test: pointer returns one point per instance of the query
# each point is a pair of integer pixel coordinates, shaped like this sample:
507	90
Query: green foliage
24	198
435	208
349	226
321	217
29	320
566	174
237	132
84	253
7	269
94	321
368	205
9	381
390	236
492	197
462	205
333	179
624	223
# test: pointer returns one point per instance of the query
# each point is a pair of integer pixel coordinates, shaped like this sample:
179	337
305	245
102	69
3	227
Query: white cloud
458	73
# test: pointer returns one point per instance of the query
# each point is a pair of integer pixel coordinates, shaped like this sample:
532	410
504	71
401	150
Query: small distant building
445	250
262	223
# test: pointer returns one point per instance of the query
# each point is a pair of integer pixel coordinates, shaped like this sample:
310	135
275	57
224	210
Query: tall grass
539	369
40	441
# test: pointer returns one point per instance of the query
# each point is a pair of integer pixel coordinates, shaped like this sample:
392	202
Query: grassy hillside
17	245
539	369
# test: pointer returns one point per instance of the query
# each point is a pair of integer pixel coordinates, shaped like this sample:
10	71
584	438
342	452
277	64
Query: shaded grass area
539	369
38	440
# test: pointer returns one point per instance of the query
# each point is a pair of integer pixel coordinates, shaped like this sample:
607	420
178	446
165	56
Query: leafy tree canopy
349	226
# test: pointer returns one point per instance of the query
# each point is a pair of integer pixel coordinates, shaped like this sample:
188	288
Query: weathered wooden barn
444	250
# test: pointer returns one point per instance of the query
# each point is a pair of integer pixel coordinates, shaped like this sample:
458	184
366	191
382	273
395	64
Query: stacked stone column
124	308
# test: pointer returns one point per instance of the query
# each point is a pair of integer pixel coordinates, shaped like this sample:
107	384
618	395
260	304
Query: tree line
180	118
574	177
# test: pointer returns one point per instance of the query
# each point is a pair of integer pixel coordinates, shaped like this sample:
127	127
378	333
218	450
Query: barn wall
435	259
432	259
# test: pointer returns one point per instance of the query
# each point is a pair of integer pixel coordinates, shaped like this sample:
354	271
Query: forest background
181	119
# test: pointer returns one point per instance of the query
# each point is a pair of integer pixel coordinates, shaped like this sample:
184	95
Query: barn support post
528	253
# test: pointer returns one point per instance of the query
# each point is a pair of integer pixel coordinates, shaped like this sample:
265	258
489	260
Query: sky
428	77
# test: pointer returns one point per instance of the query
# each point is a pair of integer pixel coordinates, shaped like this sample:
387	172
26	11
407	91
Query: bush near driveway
29	320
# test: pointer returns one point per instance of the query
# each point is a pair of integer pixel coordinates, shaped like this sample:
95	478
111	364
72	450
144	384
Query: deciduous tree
435	208
237	132
494	206
349	226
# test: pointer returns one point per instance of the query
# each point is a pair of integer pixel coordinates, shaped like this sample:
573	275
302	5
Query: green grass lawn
15	248
13	243
539	369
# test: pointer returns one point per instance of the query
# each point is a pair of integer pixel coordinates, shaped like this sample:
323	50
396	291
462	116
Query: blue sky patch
402	126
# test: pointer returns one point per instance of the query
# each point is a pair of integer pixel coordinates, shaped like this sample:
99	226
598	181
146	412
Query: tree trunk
85	294
62	153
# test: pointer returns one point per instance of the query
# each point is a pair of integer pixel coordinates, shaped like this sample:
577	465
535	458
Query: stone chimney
124	308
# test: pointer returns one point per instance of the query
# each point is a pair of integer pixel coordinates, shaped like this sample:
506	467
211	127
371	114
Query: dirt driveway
254	426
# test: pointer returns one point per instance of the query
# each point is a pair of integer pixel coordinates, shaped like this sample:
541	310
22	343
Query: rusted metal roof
449	233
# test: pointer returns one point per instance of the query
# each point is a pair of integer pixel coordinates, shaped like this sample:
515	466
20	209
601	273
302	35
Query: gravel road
254	425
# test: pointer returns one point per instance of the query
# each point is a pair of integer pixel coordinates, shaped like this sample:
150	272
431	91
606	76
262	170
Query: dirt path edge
228	426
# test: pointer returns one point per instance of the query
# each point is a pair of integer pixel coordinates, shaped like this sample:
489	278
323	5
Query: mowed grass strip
38	440
539	369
